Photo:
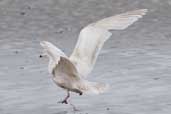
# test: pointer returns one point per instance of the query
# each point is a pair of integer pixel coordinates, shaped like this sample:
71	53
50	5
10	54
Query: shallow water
135	62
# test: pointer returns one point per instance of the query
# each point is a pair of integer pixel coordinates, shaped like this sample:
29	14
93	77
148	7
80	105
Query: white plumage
70	72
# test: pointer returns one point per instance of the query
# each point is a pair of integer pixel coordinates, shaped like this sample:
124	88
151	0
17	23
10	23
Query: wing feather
58	59
121	21
93	36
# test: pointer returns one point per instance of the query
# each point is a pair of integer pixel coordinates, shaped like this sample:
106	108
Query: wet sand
135	62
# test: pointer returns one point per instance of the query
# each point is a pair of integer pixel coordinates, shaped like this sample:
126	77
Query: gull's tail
93	87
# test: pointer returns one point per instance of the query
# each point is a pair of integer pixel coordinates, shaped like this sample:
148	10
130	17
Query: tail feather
93	87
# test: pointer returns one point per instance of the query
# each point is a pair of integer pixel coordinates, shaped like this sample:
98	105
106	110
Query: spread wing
58	59
92	38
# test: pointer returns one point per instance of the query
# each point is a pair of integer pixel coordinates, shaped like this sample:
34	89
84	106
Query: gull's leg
66	98
66	102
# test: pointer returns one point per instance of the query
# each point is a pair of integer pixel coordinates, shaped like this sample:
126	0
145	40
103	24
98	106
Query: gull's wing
121	21
92	38
65	68
58	59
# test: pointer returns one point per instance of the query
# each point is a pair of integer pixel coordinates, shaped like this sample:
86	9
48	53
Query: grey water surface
136	62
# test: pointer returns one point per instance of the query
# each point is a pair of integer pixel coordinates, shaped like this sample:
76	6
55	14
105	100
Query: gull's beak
43	54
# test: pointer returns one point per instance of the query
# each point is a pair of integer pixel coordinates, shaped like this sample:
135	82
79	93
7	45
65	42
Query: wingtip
139	12
143	11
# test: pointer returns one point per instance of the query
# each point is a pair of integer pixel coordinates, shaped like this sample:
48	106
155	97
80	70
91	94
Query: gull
70	72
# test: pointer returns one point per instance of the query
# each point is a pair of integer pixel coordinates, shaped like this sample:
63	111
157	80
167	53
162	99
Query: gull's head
49	50
46	49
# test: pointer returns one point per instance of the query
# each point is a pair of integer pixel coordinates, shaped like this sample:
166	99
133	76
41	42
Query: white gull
70	73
